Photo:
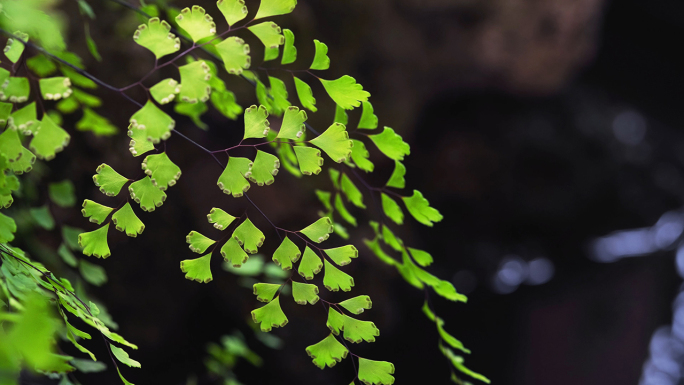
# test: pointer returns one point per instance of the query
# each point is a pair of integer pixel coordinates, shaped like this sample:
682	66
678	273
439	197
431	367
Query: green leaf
194	111
342	255
122	377
87	99
235	54
391	144
15	48
360	156
7	228
157	37
55	88
279	94
41	65
122	356
146	194
76	78
10	145
420	208
70	236
368	119
324	197
42	217
289	50
139	143
457	361
232	179
327	352
62	193
271	53
269	33
233	253
397	179
252	267
126	221
5	112
376	372
449	339
24	119
305	95
335	321
392	209
270	315
16	90
92	46
232	10
109	181
165	91
256	124
391	240
196	22
319	231
25	162
309	158
162	171
224	102
49	139
220	218
357	304
335	279
97	124
249	236
321	60
293	124
354	330
423	258
94	243
335	142
286	254
352	192
195	78
342	210
156	123
304	293
275	7
334	177
265	291
345	92
198	242
340	115
198	269
375	247
88	366
92	273
263	170
310	264
6	201
96	212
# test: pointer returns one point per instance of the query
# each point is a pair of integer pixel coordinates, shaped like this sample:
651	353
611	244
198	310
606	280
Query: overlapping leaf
49	139
235	54
249	236
289	50
145	193
263	170
165	91
162	171
233	253
155	122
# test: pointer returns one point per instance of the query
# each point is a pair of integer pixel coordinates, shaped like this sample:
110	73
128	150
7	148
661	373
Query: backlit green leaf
269	33
265	291
224	102
335	321
196	22
293	124
15	48
25	162
286	254
346	92
375	247
360	156
289	50
319	231
139	143
420	209
391	240
275	7
195	78
392	209
309	158
157	37
421	257
449	339
341	115
357	304
304	293
232	179
232	10
126	221
87	99
327	352
335	279
270	315
96	212
162	171
55	88
310	264
352	192
10	145
397	179
25	119
324	197
263	170
62	193
41	65
321	60
155	122
279	94
335	142
376	372
42	217
220	218
165	91
233	253
305	95
457	361
146	194
249	236
342	210
198	242
109	181
198	269
354	330
194	111
92	273
95	242
235	54
256	124
15	89
342	255
95	123
7	228
368	119
5	111
49	139
391	144
271	53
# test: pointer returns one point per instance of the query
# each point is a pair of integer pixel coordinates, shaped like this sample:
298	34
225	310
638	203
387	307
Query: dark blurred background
549	135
